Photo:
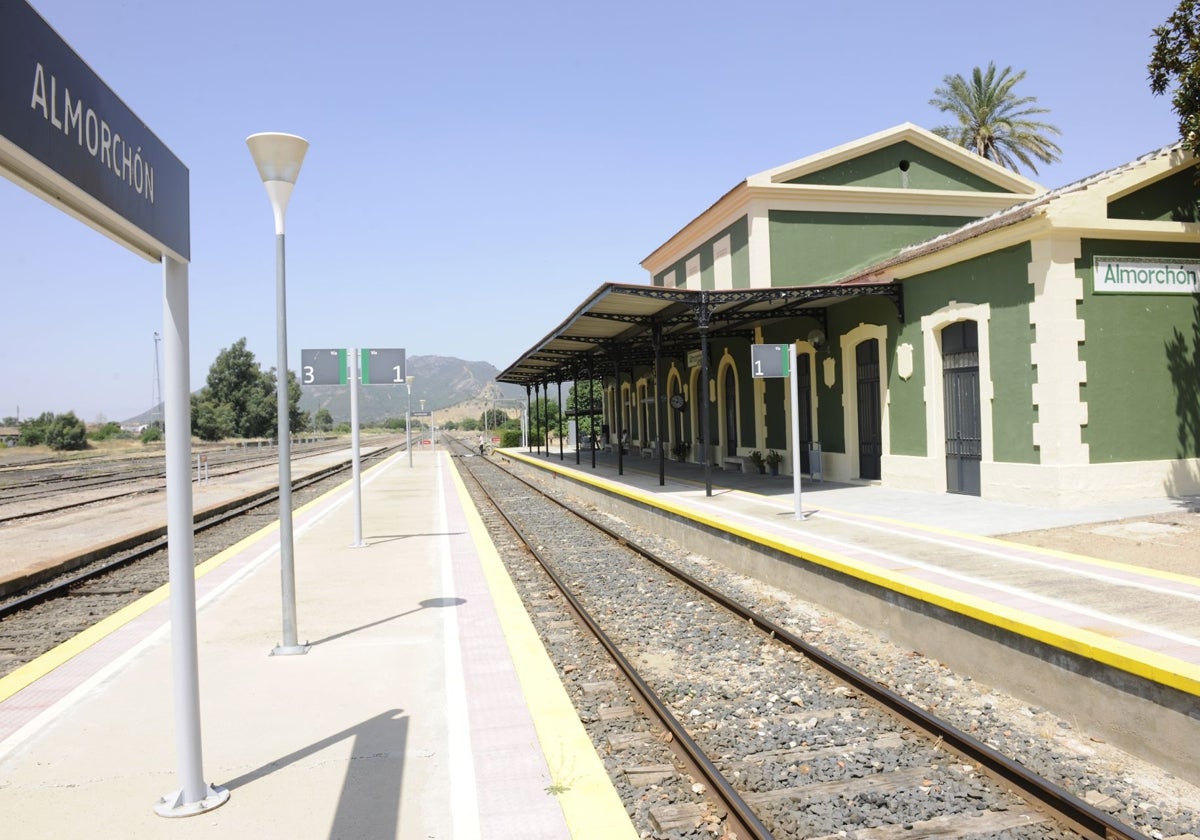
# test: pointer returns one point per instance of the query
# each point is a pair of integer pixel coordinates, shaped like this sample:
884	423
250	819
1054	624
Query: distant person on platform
481	445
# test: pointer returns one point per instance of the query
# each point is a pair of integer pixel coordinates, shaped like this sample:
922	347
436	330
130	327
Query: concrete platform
426	707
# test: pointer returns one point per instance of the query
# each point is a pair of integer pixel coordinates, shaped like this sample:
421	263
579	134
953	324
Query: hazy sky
478	168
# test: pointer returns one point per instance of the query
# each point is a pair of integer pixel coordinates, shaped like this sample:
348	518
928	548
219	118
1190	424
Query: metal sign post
358	367
67	137
775	361
795	377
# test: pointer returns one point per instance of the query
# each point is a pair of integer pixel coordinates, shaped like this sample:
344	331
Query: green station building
958	328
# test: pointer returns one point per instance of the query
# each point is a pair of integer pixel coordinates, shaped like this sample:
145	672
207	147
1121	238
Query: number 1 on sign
399	373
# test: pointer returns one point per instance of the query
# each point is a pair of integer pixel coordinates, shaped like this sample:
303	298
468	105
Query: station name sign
1145	276
65	134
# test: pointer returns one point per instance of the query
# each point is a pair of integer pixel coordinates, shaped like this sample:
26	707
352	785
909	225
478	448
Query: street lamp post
278	158
422	437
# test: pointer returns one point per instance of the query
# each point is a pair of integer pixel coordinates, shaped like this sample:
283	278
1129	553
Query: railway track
28	492
34	621
777	738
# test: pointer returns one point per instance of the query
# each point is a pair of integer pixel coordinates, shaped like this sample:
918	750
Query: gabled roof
772	189
1080	206
1004	179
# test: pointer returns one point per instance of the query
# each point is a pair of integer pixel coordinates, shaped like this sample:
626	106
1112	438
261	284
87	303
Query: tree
584	398
993	121
211	420
543	418
1175	61
323	420
240	398
67	432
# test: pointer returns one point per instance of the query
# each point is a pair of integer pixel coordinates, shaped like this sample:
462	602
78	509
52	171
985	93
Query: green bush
67	432
34	430
58	431
151	434
108	431
510	438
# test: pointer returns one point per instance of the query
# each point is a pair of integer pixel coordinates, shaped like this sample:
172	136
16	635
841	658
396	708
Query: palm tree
993	121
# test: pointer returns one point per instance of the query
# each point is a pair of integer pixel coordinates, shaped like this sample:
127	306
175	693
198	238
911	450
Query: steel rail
157	543
744	822
1085	818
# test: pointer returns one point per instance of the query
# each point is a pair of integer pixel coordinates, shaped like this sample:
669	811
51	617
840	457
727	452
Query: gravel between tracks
1147	798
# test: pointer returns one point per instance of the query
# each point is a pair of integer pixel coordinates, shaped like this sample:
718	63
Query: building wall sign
60	122
1136	275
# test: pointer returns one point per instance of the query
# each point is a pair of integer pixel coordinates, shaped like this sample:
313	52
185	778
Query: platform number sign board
329	367
323	367
383	367
769	361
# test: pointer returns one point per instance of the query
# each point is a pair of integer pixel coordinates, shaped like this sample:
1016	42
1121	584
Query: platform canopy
623	321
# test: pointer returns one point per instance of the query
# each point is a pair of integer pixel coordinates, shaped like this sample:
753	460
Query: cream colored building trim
674	385
935	396
708	225
976	246
758	242
1088	207
693	395
627	409
850	340
905	132
643	410
755	202
722	263
759	386
691	273
1068	486
1058	432
912	472
835	199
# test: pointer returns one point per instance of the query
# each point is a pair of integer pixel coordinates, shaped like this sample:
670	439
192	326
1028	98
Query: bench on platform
733	462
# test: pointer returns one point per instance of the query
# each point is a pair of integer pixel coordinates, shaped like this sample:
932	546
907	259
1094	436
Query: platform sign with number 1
383	367
775	361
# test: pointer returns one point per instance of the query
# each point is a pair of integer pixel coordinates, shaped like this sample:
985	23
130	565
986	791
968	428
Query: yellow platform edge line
1000	542
34	670
1149	665
590	804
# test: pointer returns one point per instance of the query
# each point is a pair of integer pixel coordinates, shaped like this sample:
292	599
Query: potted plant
680	449
756	458
773	459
